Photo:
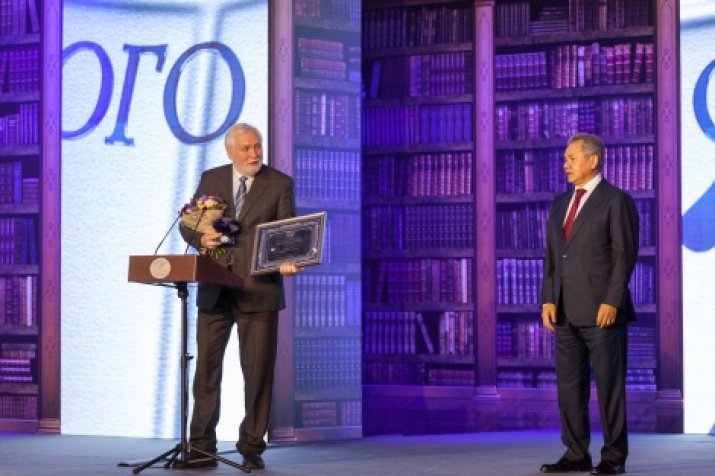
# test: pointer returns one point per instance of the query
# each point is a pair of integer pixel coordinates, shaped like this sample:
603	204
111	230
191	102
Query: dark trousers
606	349
257	337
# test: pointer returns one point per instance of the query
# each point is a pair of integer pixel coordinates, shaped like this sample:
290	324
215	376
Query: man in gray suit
592	248
263	194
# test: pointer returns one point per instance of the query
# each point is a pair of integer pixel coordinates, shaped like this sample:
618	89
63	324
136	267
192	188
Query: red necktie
572	213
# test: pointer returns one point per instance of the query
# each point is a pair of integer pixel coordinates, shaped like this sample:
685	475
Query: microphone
193	232
181	212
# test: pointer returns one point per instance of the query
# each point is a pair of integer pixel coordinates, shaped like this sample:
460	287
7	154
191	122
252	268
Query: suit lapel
225	189
560	217
260	182
589	208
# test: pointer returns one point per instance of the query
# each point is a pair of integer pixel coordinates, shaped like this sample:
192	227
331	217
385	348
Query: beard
249	169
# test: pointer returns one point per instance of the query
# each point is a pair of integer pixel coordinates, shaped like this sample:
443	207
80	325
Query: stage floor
493	454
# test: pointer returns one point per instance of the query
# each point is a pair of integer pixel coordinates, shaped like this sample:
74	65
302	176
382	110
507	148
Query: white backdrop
698	202
121	341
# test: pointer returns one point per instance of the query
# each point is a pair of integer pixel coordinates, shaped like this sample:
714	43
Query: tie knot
243	179
580	192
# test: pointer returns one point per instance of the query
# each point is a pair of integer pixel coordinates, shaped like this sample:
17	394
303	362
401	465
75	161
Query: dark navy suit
593	267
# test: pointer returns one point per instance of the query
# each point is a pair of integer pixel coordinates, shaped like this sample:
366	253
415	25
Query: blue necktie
240	196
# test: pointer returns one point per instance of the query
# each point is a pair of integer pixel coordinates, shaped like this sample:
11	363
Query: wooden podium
177	271
159	269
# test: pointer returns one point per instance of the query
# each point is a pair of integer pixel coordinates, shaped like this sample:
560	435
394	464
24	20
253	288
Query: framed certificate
298	240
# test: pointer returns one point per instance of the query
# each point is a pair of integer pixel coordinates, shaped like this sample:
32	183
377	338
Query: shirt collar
593	183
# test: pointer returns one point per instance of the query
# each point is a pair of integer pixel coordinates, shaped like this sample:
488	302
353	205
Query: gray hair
591	145
237	130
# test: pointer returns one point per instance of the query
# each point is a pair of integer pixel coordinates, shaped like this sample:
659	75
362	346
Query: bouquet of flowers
201	213
205	215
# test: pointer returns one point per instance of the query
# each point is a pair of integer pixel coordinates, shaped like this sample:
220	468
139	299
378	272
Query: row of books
524	339
18	350
394	373
519	281
526	379
636	379
419	124
326	59
572	66
326	301
327	174
15	370
18	241
400	373
517	19
531	170
14	188
322	364
420	75
336	10
629	167
451	377
18	407
642	283
530	339
18	301
523	225
341	244
325	114
446	280
18	17
513	19
395	332
415	226
22	127
546	119
587	15
420	175
417	26
316	414
641	345
19	69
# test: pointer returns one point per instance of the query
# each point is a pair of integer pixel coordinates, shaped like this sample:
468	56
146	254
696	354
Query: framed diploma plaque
299	240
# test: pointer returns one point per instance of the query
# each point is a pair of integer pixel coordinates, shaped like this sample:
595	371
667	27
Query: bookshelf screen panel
326	164
20	103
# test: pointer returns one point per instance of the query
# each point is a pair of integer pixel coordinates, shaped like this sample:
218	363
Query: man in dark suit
263	194
592	247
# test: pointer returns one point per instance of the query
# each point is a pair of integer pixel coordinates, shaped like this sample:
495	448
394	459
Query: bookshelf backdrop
452	333
324	66
20	217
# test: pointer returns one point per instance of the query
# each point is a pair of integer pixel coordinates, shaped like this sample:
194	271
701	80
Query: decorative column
50	182
669	401
280	151
485	201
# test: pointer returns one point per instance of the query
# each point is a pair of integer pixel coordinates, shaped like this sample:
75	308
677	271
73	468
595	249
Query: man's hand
289	269
606	315
548	316
210	240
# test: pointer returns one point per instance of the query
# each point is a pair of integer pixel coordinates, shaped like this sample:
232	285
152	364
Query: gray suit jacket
596	263
270	198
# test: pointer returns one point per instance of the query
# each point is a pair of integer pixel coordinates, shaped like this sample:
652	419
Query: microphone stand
193	232
173	224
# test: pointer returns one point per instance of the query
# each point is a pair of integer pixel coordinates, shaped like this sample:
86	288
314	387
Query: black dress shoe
565	465
607	467
253	461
